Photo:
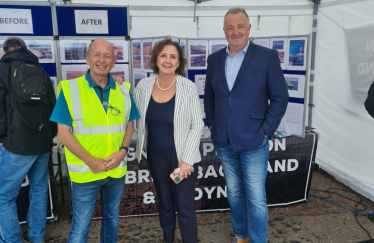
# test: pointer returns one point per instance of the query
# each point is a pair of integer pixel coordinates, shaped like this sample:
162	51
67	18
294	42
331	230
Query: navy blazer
244	115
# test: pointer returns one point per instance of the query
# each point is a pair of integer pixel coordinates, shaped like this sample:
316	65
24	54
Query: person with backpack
27	100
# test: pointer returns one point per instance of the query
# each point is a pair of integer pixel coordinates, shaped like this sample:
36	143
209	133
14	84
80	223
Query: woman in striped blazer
169	129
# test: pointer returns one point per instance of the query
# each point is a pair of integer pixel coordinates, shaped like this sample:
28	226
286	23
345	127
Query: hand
115	159
97	165
185	169
266	135
118	79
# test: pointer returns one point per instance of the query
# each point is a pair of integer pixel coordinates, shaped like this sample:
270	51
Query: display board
292	53
78	26
287	183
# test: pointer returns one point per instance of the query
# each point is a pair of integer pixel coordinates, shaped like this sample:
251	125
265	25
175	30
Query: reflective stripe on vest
86	168
80	129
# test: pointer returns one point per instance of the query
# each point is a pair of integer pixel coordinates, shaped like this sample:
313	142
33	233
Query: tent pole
313	54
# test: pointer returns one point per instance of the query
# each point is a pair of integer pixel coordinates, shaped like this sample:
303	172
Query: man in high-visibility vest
94	116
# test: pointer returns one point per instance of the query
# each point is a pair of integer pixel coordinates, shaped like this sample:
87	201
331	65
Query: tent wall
347	131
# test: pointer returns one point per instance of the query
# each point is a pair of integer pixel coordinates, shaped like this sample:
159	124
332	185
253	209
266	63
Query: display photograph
198	61
43	49
278	45
146	62
296	53
75	51
198	49
217	47
137	62
136	48
147	48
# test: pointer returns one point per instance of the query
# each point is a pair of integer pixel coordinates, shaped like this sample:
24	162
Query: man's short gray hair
237	10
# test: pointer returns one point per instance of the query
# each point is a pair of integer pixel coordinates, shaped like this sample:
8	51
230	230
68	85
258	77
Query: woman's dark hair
157	49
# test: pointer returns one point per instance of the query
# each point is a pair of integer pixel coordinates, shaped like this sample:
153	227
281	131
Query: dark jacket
369	102
17	138
243	115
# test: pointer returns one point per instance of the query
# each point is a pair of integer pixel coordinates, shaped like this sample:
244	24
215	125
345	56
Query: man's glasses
115	111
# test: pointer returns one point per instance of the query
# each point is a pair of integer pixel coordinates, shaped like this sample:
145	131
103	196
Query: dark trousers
171	195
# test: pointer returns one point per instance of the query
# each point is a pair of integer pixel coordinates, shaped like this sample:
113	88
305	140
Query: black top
21	140
159	119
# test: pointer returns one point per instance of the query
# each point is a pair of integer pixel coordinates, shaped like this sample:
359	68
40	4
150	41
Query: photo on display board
147	48
280	44
137	54
182	43
295	85
120	48
262	42
137	76
74	51
197	52
137	62
43	49
297	53
136	48
216	45
73	71
76	71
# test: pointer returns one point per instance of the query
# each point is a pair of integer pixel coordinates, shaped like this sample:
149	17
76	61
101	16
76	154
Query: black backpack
27	87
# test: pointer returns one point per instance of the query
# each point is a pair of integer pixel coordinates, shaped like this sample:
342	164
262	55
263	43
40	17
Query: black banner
287	183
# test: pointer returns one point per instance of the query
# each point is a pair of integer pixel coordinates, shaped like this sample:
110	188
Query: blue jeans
13	170
84	201
245	173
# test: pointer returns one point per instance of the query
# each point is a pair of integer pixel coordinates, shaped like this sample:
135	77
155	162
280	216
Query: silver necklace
167	87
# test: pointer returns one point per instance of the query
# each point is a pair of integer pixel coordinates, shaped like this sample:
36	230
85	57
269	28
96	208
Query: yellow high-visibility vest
100	134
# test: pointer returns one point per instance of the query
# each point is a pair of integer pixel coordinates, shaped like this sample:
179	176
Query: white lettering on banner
25	182
292	165
131	155
200	172
131	177
369	46
16	21
210	172
207	147
222	192
289	165
199	194
91	21
220	171
148	198
365	68
209	191
143	175
278	144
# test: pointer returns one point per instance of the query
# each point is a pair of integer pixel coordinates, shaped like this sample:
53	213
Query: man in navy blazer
245	99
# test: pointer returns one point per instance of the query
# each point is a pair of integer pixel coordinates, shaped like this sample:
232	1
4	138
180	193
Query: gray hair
237	10
89	47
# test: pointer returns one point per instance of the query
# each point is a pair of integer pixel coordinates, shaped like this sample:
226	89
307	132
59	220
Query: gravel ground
315	221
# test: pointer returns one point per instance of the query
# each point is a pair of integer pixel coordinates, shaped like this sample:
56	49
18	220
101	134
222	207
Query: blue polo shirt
61	112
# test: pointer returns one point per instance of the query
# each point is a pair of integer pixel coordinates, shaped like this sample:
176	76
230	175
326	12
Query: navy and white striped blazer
188	121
